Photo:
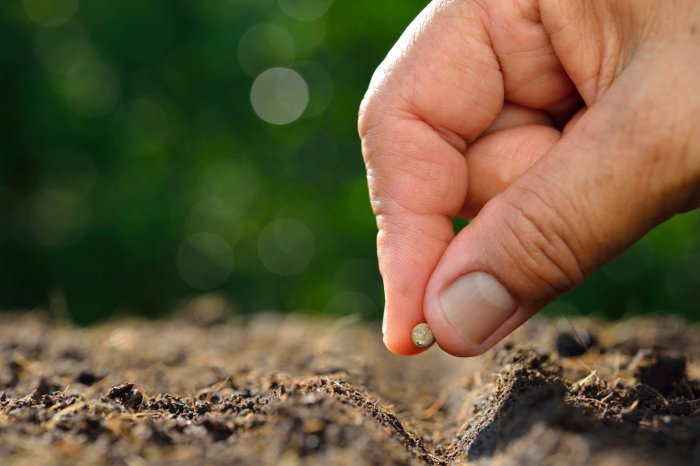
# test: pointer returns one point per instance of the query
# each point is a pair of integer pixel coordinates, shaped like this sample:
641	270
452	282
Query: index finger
439	88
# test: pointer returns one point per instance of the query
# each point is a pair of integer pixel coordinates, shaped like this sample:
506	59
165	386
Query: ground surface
199	389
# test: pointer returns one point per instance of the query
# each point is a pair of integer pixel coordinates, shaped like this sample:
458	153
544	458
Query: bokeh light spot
68	169
279	96
320	85
61	49
286	246
236	182
51	12
308	36
265	46
90	88
215	215
57	217
305	10
142	127
204	260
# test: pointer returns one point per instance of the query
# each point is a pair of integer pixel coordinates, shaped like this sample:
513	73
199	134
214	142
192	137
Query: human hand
564	129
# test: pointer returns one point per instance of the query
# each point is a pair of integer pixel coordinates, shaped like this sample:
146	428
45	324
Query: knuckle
404	175
376	106
406	248
543	242
376	122
365	114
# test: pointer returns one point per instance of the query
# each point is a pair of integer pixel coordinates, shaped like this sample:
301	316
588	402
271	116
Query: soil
204	388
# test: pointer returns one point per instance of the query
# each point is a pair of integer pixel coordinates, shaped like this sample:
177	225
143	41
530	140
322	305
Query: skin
564	129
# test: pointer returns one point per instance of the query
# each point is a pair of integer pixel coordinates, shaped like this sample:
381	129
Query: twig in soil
585	381
689	388
576	334
573	329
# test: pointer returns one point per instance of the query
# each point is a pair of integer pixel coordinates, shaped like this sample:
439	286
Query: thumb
609	180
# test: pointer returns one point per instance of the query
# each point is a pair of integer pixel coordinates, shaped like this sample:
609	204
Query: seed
422	336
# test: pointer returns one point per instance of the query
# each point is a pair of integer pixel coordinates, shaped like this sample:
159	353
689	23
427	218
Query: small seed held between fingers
422	336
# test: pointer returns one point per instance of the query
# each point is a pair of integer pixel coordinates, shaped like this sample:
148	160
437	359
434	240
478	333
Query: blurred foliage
148	153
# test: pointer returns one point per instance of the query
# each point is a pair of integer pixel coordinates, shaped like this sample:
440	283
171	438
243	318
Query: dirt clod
125	393
661	371
88	378
574	342
44	387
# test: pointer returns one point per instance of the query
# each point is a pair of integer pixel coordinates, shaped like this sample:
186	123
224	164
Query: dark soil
202	389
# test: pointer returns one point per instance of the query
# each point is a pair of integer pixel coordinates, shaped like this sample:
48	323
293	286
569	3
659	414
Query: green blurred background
152	151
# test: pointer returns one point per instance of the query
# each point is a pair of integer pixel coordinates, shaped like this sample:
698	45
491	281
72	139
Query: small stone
88	378
661	371
422	336
125	393
120	391
134	401
574	343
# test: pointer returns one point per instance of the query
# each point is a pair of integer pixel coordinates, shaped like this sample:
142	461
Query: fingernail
476	304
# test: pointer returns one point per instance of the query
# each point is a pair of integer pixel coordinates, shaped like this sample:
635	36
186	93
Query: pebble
570	344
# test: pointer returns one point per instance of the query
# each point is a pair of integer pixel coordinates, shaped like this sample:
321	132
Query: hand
564	129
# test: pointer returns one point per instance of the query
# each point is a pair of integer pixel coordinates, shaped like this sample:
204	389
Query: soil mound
203	389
